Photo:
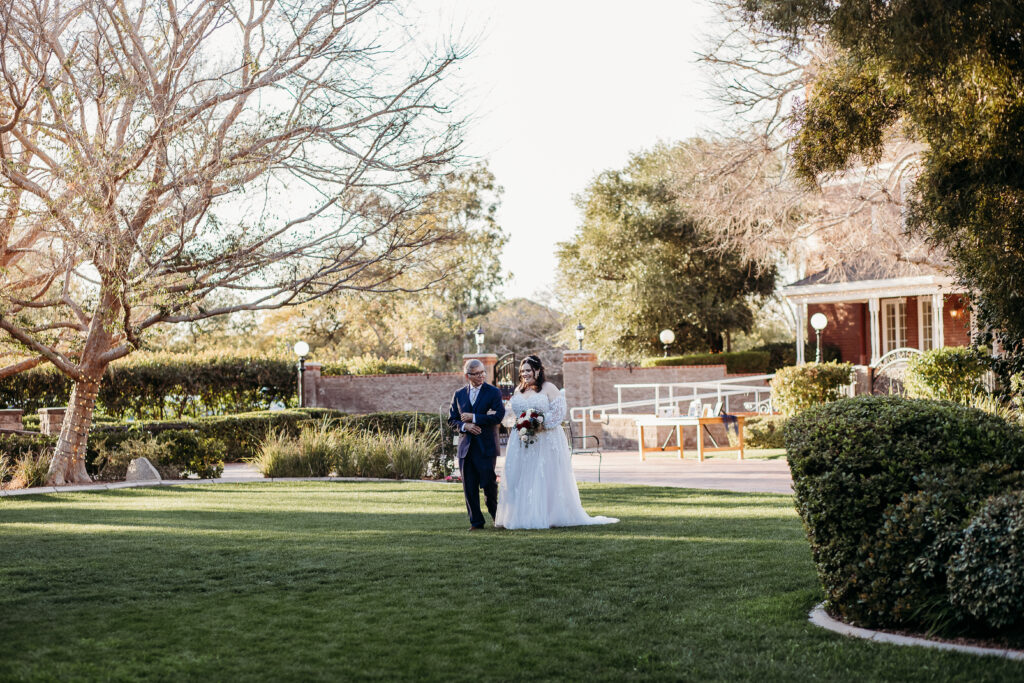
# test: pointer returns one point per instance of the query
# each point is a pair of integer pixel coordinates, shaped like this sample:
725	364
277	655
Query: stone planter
10	419
50	419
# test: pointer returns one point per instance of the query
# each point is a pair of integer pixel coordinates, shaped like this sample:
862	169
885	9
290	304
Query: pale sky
560	90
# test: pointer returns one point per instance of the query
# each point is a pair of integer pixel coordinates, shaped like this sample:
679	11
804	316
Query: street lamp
407	347
479	334
818	322
580	331
301	349
666	336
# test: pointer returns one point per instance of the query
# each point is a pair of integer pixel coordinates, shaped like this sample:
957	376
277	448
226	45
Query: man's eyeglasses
477	373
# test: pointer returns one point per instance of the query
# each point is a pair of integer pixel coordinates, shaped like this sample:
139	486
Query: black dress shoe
476	528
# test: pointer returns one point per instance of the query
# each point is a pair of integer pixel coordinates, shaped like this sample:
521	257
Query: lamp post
666	336
818	322
301	349
407	347
478	333
580	331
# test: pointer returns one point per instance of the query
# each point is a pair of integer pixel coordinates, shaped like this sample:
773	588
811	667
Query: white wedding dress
538	489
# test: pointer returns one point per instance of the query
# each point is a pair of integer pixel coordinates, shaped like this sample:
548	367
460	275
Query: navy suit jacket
486	442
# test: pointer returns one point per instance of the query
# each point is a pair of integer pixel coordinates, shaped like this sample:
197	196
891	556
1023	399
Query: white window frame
923	320
899	306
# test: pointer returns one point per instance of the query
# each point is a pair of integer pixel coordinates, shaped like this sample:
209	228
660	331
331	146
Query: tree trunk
68	463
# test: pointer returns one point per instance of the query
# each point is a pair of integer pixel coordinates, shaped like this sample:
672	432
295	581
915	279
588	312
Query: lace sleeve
556	412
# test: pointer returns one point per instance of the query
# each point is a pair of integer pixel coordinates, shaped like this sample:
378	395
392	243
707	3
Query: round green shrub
856	466
953	373
799	387
986	577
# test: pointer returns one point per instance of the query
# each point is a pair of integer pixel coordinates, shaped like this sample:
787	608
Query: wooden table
683	421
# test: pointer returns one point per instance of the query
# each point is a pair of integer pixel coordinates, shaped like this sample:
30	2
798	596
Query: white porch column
801	332
938	333
874	329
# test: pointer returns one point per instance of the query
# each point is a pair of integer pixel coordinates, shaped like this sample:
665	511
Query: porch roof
859	286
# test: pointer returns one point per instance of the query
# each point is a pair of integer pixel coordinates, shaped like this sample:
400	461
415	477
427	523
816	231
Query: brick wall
847	329
956	330
425	393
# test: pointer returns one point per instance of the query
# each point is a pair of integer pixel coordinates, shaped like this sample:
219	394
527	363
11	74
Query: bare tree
156	153
743	184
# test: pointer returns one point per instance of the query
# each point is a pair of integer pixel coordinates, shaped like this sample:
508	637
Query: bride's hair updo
538	374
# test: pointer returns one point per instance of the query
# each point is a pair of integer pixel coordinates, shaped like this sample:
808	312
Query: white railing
673	395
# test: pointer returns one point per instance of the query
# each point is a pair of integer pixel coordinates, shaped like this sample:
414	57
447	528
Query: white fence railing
673	395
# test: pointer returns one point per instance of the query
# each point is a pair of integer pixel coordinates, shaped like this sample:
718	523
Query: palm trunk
68	463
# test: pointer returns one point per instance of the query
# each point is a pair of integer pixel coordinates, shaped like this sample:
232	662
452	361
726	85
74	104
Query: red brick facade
849	326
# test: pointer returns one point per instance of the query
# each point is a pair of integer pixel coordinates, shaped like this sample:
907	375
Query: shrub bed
802	386
885	486
783	354
953	373
328	448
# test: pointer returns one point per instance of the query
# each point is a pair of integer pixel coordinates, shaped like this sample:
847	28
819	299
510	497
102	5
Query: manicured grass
342	581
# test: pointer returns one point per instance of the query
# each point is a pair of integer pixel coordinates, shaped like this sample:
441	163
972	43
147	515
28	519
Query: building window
925	323
894	324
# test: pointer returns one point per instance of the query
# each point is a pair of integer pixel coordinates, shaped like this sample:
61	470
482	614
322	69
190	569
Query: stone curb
819	617
188	482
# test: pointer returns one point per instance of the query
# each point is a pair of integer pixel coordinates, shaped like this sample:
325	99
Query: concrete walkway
624	467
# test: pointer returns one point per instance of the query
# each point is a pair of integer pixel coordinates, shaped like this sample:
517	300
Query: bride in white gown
538	489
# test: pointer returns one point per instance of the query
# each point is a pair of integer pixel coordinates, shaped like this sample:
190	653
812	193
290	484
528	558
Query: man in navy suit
476	412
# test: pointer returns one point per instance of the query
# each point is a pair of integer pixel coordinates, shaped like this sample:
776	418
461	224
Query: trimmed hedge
986	576
783	354
371	365
158	385
884	485
799	387
753	362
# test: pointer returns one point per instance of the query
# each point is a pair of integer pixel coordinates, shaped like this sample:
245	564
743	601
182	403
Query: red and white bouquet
529	422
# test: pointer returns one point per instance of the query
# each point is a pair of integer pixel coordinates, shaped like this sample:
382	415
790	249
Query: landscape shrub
371	365
409	453
113	459
753	362
279	455
986	575
18	455
764	431
879	482
193	454
952	373
28	469
799	387
371	457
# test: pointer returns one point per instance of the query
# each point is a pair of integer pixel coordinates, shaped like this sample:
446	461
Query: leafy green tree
952	72
640	262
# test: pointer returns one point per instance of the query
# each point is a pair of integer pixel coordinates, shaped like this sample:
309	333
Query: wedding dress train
538	489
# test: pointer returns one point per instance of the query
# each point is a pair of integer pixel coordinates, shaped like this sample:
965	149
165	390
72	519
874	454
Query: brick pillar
578	375
10	418
311	385
51	419
488	359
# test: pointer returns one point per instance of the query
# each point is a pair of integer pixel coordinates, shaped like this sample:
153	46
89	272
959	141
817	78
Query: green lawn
340	581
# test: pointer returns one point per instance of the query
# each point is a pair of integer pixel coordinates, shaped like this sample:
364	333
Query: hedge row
158	386
896	497
761	360
755	362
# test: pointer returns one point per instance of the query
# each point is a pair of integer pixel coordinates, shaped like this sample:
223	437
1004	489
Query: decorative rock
141	469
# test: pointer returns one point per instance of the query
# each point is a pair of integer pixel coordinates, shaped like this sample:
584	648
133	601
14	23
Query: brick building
871	311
